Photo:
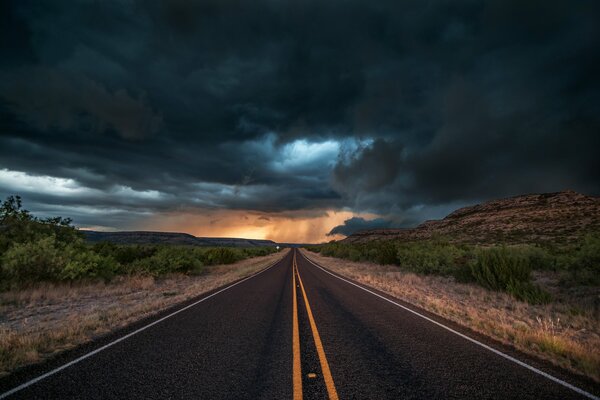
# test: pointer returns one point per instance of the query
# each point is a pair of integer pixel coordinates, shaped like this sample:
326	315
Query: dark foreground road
284	334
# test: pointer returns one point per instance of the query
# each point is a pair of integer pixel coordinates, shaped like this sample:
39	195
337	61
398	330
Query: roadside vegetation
34	250
565	331
508	269
542	298
58	291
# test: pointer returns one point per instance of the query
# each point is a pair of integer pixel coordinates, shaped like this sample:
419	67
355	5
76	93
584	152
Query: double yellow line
297	377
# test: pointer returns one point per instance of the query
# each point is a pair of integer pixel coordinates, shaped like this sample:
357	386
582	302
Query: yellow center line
296	340
319	345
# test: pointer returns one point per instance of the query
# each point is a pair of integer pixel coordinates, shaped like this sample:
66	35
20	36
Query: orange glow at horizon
289	227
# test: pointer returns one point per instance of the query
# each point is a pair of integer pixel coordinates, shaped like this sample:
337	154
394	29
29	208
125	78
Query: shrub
26	263
495	268
169	259
581	261
508	270
431	257
85	264
527	291
125	254
221	255
588	255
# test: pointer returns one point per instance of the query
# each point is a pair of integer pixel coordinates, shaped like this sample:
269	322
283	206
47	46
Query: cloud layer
116	111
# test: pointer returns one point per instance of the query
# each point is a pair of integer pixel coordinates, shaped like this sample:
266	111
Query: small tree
12	211
18	225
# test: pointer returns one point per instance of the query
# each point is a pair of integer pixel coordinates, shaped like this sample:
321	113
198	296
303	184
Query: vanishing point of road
294	331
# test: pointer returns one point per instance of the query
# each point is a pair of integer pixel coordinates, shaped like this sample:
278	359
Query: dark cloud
403	109
356	224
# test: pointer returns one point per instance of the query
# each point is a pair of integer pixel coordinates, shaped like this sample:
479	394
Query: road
293	331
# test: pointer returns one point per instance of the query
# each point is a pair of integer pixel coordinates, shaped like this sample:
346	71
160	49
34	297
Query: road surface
293	331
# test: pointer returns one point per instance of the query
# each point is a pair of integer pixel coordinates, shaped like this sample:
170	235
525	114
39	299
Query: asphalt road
293	331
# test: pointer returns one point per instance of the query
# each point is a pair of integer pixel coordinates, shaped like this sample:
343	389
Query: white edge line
485	346
143	328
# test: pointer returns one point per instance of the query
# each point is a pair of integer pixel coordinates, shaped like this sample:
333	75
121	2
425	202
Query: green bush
85	264
582	262
588	255
432	257
47	259
26	263
222	255
495	268
125	254
169	259
527	291
508	270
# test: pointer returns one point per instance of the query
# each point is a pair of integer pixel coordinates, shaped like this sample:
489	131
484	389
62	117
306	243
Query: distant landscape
143	237
560	217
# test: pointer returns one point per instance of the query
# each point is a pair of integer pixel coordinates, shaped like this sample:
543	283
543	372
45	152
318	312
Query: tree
12	211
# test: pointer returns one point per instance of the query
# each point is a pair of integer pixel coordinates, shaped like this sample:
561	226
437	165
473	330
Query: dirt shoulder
555	332
38	323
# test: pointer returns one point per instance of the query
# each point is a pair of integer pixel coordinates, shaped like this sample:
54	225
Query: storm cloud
112	112
356	224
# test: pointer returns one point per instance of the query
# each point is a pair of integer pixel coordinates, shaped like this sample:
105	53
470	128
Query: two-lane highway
294	331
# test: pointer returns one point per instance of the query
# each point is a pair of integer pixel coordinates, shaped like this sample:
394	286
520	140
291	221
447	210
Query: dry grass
553	331
38	323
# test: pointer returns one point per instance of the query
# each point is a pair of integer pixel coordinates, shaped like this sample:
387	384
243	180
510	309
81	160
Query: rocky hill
561	216
144	237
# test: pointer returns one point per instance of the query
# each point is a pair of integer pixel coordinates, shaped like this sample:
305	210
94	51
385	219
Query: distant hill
561	216
145	237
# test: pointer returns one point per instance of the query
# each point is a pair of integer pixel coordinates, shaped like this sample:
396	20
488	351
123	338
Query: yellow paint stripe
297	377
319	345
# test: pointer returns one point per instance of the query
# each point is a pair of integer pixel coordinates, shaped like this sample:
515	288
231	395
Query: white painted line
485	346
106	346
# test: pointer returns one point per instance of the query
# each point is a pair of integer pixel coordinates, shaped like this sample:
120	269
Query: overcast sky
292	120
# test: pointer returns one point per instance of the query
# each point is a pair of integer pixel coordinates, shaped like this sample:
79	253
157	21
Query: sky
297	121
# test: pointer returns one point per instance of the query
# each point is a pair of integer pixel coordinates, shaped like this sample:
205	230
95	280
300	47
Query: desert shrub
495	268
582	262
384	253
48	259
29	262
432	257
537	258
588	255
527	291
124	254
86	264
221	255
169	259
508	270
258	251
427	257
